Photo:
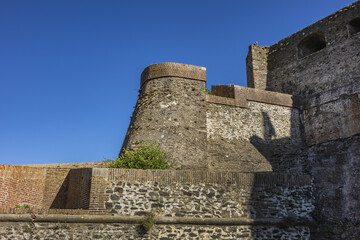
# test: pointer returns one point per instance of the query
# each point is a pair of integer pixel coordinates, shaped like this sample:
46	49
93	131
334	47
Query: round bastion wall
171	111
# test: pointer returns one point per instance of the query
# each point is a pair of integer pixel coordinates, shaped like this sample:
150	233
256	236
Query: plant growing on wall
148	222
23	206
146	156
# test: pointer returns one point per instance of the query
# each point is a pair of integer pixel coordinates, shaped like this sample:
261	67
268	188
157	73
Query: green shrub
23	206
146	156
148	222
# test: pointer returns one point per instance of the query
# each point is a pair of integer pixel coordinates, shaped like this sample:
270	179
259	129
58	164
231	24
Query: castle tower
171	111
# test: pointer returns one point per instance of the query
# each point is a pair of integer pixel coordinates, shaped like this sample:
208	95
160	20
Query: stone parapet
238	96
169	69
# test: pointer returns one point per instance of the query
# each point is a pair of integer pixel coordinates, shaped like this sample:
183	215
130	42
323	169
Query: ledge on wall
238	96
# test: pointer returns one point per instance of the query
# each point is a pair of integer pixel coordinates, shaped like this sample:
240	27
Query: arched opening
311	44
354	26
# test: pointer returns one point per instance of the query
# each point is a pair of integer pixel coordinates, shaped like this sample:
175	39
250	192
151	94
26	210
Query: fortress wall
334	66
332	115
203	194
21	185
244	132
320	64
335	168
25	230
171	111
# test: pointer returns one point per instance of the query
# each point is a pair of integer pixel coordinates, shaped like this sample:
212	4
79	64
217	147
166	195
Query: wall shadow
279	153
74	192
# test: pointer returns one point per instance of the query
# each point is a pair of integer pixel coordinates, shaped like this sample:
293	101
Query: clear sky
70	69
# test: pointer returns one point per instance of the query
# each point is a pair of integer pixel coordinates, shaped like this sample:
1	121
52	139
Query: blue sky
70	70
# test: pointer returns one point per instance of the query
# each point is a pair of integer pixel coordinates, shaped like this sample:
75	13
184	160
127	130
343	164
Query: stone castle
279	159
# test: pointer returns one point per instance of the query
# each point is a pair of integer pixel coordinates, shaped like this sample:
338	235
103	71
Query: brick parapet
98	195
239	96
54	195
240	178
21	185
169	69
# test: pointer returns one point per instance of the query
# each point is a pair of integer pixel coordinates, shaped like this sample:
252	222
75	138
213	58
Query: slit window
312	43
354	26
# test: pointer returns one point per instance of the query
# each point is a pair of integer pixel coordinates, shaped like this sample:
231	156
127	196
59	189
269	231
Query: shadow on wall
74	192
279	151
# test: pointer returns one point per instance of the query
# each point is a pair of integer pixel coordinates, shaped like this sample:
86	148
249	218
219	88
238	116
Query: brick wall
21	185
56	187
98	194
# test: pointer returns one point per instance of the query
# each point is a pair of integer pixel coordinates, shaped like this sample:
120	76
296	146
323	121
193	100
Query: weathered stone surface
132	231
171	112
211	200
335	167
334	66
245	139
332	115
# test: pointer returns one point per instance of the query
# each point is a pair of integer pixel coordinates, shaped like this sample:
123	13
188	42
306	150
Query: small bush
146	156
23	206
148	222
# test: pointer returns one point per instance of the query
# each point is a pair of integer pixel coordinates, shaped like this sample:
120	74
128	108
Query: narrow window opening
311	44
354	26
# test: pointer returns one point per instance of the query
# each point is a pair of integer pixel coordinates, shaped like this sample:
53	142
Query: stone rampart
332	115
188	204
196	128
164	229
200	194
171	111
246	127
319	58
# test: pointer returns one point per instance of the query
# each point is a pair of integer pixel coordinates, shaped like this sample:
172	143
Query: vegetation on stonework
208	91
23	206
146	156
148	223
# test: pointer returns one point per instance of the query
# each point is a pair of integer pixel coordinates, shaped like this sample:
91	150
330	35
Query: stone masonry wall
332	115
334	66
247	127
201	194
335	168
21	185
9	230
171	111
